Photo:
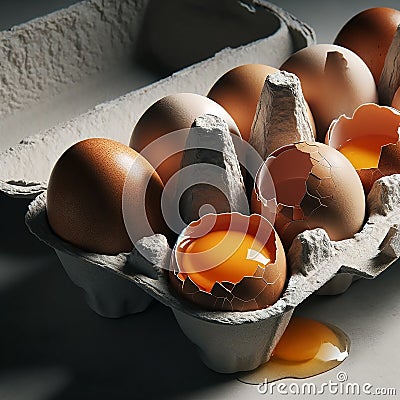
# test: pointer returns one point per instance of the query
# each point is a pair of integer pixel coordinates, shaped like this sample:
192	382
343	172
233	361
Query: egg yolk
306	348
365	152
302	340
221	256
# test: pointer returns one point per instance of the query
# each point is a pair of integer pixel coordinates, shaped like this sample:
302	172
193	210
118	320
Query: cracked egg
229	262
334	81
316	187
370	140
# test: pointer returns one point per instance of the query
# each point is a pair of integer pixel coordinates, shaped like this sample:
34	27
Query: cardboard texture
108	48
119	285
390	76
211	162
224	338
281	117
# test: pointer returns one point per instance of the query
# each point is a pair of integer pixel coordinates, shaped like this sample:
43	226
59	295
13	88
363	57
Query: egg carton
57	67
124	284
227	341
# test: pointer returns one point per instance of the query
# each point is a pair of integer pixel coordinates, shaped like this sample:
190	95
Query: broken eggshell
251	292
377	246
231	341
316	187
369	121
25	169
334	81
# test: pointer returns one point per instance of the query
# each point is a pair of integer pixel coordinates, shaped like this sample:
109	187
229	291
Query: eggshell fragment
316	187
282	115
210	177
173	113
370	120
226	339
230	341
369	34
334	81
251	292
84	196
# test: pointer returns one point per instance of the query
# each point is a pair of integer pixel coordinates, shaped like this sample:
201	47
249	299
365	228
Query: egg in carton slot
230	341
110	64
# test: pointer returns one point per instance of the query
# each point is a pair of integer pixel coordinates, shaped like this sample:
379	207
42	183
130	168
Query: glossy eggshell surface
316	187
172	113
369	34
370	120
252	292
84	195
334	81
239	90
396	99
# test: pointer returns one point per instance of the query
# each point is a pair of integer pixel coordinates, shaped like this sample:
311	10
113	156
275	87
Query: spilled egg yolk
306	348
221	256
303	339
365	152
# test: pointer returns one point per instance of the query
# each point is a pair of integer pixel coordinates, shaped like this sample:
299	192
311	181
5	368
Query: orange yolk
222	256
364	152
306	348
302	340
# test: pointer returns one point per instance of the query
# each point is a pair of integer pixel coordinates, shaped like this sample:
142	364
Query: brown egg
396	99
370	140
316	187
369	34
229	262
239	90
172	113
85	194
334	81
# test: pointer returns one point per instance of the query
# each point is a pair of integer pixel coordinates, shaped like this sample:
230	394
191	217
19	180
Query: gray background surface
52	346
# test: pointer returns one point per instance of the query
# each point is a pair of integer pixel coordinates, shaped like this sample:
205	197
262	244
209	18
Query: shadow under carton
231	341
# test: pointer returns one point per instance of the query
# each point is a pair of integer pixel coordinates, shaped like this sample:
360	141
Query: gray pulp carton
115	58
230	341
119	285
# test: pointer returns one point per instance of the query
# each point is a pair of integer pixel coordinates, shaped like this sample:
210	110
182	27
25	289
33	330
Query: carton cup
231	341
